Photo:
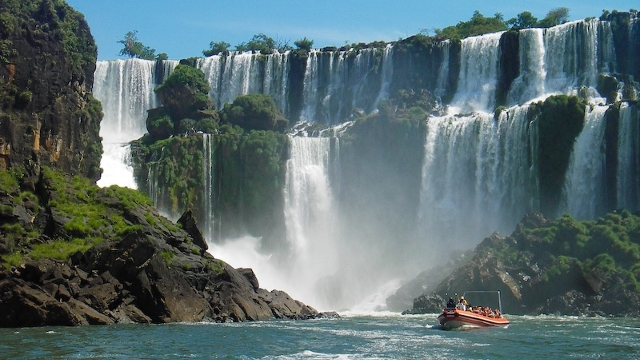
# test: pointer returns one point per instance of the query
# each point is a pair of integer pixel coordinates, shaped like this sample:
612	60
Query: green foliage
64	25
184	93
524	20
304	44
187	126
9	180
221	47
162	56
259	43
478	25
13	259
555	17
254	112
168	256
133	48
61	249
610	244
207	125
216	265
159	124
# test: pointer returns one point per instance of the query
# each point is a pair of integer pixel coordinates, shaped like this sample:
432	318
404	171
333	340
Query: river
352	336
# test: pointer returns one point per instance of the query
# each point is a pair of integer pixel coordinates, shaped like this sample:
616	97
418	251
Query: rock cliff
552	267
128	265
47	113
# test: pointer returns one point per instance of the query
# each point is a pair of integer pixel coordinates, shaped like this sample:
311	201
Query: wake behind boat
464	314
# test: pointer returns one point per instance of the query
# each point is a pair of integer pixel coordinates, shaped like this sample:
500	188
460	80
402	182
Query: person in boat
462	303
450	303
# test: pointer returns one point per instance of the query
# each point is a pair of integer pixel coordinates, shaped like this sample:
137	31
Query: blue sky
184	28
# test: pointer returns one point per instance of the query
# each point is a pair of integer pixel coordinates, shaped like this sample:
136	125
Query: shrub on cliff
254	112
184	93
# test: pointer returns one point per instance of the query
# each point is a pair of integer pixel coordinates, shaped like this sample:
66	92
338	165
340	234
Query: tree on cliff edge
134	48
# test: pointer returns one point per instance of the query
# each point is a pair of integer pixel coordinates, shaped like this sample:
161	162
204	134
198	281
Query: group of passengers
463	304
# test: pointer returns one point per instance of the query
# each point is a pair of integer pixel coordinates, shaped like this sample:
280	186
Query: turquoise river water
352	336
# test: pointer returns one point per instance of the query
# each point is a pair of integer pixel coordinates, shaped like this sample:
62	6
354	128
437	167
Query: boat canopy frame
487	291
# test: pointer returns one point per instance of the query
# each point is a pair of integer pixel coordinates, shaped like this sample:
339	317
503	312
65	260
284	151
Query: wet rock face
48	116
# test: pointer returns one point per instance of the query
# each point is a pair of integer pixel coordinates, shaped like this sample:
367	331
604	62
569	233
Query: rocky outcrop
142	268
534	276
47	113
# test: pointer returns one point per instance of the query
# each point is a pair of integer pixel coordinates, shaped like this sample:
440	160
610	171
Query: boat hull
454	318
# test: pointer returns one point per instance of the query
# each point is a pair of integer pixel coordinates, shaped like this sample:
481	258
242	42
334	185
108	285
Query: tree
134	48
478	25
184	93
555	17
254	112
259	42
304	44
220	47
525	20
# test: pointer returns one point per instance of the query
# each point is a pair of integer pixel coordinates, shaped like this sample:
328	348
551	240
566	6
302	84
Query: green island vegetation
81	215
608	246
248	151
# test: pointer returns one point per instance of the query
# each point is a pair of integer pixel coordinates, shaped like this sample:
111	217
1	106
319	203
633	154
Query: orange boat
454	317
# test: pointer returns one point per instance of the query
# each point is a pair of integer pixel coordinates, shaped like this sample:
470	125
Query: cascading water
208	196
125	89
530	84
241	73
335	83
478	74
477	172
584	184
572	55
628	171
310	217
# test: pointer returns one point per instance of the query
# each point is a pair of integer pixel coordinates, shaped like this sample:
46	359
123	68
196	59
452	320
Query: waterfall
208	173
530	84
309	216
477	172
443	71
478	74
628	173
387	74
125	89
584	185
337	82
572	55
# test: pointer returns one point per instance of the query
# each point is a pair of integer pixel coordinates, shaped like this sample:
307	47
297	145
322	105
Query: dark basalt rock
527	285
47	113
189	224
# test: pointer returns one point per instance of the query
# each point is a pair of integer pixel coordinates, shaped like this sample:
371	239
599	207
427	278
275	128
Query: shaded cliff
47	113
563	267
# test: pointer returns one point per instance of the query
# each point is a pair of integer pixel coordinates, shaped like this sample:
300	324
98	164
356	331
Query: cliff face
72	254
47	113
552	267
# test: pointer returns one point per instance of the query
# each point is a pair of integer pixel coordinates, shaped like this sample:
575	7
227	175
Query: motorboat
476	316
